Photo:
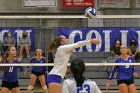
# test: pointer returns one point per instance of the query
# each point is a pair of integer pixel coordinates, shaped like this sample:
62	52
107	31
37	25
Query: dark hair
133	42
77	68
117	40
55	44
6	34
24	34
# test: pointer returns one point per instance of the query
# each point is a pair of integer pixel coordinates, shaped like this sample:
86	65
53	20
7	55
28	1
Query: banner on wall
137	3
78	3
40	3
17	34
114	3
107	37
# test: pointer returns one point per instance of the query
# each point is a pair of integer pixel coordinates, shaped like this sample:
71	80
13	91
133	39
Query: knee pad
30	87
44	87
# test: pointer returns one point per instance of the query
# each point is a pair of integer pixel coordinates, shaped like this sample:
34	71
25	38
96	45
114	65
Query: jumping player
62	56
78	83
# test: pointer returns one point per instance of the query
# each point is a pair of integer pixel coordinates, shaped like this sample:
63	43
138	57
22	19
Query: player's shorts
126	81
37	73
54	79
10	85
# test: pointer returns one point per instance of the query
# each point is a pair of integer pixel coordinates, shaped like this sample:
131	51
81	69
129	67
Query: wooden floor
104	91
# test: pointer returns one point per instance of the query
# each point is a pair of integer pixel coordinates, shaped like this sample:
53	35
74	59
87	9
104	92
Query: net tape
65	16
87	64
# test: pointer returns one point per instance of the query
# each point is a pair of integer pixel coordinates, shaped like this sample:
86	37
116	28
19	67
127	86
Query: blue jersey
10	75
124	71
39	68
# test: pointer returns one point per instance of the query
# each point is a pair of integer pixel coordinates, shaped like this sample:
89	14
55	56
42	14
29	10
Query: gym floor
104	91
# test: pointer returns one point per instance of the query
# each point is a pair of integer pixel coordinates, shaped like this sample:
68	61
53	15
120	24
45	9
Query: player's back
89	86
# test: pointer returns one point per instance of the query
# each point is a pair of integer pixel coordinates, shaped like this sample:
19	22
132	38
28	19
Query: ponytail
55	44
78	68
52	46
78	76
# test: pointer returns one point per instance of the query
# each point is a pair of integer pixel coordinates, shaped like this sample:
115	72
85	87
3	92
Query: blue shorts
53	79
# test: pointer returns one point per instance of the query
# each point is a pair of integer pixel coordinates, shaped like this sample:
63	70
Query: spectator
115	49
8	41
25	43
134	49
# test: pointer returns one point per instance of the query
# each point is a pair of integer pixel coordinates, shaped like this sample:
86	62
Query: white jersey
62	57
89	86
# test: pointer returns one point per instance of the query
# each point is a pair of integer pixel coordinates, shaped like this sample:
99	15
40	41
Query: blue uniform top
10	75
124	71
39	68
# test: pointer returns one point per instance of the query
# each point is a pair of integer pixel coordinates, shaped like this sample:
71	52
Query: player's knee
30	87
44	87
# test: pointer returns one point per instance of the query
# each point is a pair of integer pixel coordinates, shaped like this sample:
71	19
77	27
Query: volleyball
90	12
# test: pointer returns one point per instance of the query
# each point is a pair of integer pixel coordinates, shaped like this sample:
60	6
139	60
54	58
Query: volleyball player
125	73
37	72
62	56
10	79
78	83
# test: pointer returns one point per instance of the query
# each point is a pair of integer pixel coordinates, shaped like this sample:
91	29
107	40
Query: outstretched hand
95	41
19	58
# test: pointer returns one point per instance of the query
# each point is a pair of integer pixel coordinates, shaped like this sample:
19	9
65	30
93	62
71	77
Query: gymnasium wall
48	27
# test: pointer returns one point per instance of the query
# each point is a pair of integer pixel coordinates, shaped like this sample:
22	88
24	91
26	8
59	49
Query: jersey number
85	87
11	69
127	66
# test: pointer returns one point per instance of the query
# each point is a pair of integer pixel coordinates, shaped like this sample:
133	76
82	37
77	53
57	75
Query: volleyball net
86	64
42	29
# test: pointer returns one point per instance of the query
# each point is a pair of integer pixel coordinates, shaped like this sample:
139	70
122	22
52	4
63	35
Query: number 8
127	66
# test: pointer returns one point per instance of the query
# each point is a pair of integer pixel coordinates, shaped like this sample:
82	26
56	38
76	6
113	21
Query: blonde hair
55	43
